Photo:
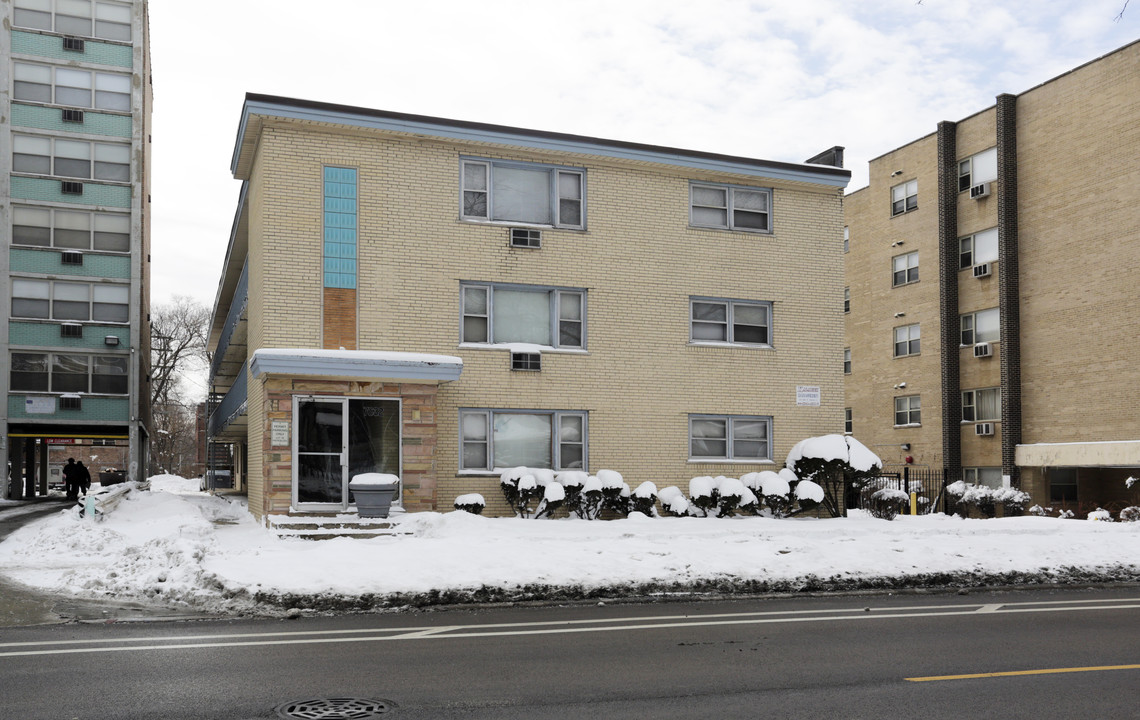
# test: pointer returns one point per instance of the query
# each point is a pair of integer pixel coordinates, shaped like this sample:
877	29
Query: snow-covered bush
886	503
1100	515
572	482
776	492
1066	515
731	492
1130	514
615	493
1041	511
521	490
834	462
809	495
590	506
703	494
1012	501
644	499
980	497
674	501
472	503
553	496
749	503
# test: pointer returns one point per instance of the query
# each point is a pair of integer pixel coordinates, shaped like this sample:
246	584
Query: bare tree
178	345
178	349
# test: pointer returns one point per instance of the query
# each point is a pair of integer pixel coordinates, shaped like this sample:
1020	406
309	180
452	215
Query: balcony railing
231	407
233	317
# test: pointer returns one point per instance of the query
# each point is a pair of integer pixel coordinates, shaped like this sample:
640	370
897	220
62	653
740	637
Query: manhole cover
335	709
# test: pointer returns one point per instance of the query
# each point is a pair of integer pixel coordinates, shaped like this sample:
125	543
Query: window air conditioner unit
982	350
73	44
70	257
984	429
526	361
526	238
70	402
980	191
982	270
71	330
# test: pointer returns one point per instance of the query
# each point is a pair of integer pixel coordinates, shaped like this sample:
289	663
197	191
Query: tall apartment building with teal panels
74	203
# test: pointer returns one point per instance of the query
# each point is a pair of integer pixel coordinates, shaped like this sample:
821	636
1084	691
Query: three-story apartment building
437	299
74	184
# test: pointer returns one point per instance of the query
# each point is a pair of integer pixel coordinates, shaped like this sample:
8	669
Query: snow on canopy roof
835	447
355	363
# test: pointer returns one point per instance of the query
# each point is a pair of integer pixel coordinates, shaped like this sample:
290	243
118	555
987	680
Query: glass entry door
337	439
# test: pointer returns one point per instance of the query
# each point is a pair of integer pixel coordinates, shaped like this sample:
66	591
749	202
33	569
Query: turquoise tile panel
94	408
51	118
51	46
49	262
340	227
94	194
46	334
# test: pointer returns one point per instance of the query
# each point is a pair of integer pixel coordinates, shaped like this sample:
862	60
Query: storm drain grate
335	709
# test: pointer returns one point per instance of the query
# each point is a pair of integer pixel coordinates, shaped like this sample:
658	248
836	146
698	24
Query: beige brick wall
876	238
638	260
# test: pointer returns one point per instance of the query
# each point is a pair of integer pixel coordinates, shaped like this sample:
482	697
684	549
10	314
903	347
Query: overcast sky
772	79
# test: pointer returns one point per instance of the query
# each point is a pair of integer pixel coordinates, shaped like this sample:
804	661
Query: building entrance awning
356	364
1123	453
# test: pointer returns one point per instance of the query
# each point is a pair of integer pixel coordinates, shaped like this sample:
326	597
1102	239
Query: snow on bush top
1101	515
732	487
554	493
701	486
751	481
788	475
471	499
592	484
807	490
511	476
572	478
890	494
527	482
957	488
645	490
835	447
669	492
542	476
772	484
610	478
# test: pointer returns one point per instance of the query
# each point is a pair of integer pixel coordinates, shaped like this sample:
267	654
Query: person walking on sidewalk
71	479
82	479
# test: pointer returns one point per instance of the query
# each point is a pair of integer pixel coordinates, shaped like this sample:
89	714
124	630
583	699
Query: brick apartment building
437	299
992	304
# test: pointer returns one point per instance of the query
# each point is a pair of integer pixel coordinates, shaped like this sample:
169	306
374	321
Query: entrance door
337	439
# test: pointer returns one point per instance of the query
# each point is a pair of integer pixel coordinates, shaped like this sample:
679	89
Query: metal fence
927	483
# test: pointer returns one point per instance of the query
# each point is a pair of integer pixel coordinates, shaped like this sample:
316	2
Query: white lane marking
476	630
543	623
990	608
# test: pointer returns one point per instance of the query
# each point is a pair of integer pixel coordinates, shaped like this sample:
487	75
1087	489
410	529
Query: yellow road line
1011	673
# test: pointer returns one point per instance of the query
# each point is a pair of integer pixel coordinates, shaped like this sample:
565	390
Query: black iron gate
928	485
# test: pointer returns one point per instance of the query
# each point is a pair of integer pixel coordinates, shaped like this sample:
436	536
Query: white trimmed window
70	301
848	421
846	300
737	322
529	193
977	169
904	197
71	229
106	20
71	86
907	340
39	155
846	238
846	361
983	405
908	410
69	373
554	439
981	247
495	314
730	437
730	208
981	326
905	269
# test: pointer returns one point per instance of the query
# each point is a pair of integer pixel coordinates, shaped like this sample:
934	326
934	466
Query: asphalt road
1057	654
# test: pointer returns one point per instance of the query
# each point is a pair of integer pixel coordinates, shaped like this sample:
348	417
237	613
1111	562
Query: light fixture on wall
896	172
905	446
896	243
900	386
900	314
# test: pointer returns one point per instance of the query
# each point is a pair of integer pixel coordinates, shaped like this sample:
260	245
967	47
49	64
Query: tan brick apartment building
437	298
993	307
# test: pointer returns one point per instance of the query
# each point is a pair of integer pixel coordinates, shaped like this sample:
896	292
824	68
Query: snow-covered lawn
181	546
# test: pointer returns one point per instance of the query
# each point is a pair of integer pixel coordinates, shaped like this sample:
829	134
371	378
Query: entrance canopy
1122	453
362	364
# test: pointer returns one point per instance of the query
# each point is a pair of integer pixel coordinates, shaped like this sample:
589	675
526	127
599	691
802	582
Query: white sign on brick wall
807	395
279	433
39	405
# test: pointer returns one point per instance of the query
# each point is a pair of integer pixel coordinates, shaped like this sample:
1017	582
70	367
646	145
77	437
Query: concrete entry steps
319	526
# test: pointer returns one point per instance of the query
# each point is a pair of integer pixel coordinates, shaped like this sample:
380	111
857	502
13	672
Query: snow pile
201	551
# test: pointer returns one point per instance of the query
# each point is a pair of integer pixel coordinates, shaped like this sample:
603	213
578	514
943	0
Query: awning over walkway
361	364
1123	453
